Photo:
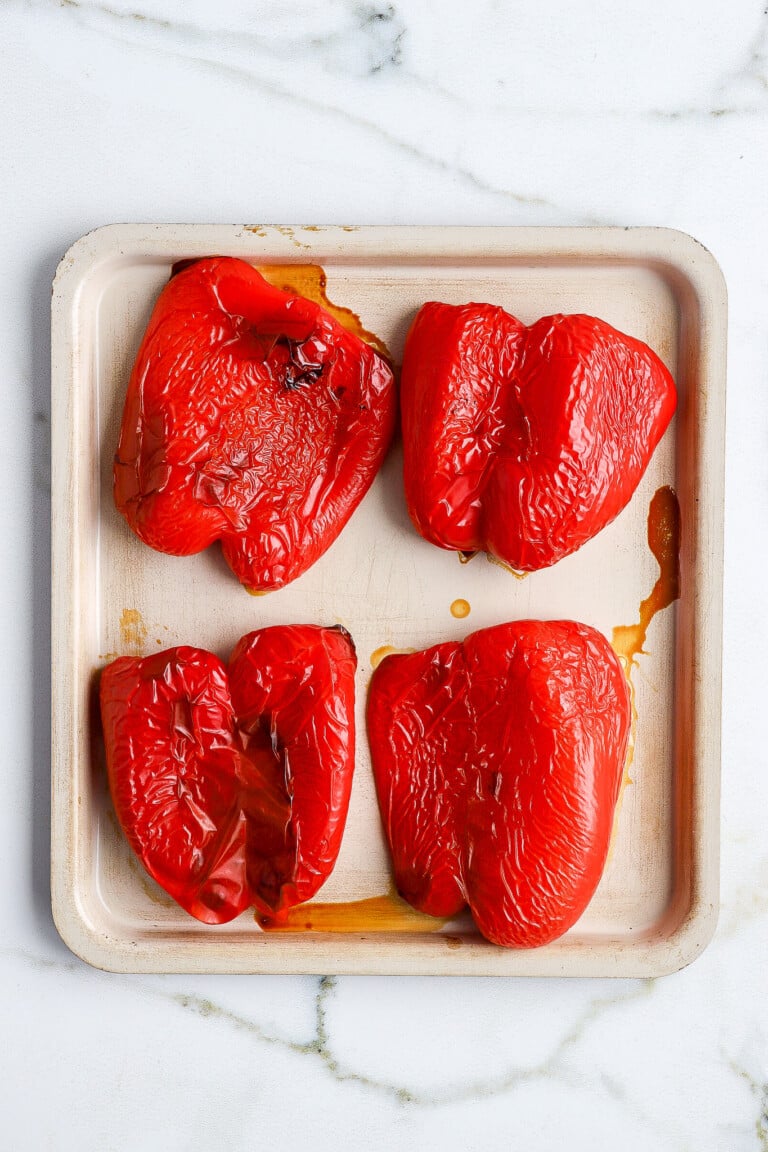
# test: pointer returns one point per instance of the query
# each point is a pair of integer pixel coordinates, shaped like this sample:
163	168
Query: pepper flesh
252	417
498	763
523	441
232	784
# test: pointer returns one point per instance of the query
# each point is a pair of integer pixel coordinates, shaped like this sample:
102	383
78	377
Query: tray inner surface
388	587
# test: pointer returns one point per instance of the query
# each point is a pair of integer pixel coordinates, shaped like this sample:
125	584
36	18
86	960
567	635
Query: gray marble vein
759	1090
750	74
320	1047
370	41
199	49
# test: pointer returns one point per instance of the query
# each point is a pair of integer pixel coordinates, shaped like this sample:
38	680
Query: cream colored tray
656	906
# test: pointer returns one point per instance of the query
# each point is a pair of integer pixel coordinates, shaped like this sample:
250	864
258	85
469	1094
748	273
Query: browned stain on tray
386	913
460	609
151	889
133	631
155	893
310	280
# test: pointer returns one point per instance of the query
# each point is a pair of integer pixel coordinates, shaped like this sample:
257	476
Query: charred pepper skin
498	763
251	417
232	784
525	442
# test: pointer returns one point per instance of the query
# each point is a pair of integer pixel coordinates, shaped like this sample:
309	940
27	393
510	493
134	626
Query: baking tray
656	906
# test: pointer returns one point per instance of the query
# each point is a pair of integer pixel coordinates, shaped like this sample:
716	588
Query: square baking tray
656	906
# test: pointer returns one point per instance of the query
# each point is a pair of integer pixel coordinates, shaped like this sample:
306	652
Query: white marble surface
643	112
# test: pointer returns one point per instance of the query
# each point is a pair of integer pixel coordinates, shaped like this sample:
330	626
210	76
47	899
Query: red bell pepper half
498	763
232	784
525	442
251	417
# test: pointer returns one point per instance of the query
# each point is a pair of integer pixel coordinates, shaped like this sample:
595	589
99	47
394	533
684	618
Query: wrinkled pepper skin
525	442
293	691
232	784
174	772
498	763
251	417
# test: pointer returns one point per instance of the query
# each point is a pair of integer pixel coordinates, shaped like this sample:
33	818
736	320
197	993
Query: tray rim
684	258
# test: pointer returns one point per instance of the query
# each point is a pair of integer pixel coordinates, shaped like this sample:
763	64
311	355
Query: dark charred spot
340	628
180	265
301	378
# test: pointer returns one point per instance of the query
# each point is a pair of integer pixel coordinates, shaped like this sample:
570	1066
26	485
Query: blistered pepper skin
232	784
498	762
525	442
251	417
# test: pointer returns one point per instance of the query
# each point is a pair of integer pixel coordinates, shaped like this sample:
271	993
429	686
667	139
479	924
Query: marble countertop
346	112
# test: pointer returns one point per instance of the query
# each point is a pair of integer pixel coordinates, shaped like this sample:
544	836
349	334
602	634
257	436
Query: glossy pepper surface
498	763
251	417
232	783
525	441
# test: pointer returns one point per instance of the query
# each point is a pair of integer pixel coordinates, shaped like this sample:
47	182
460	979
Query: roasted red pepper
293	691
498	764
232	784
252	417
525	442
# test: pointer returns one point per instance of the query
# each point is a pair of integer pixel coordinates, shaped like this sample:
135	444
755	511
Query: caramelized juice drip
507	567
387	650
377	914
664	543
465	557
133	631
628	639
460	609
309	280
